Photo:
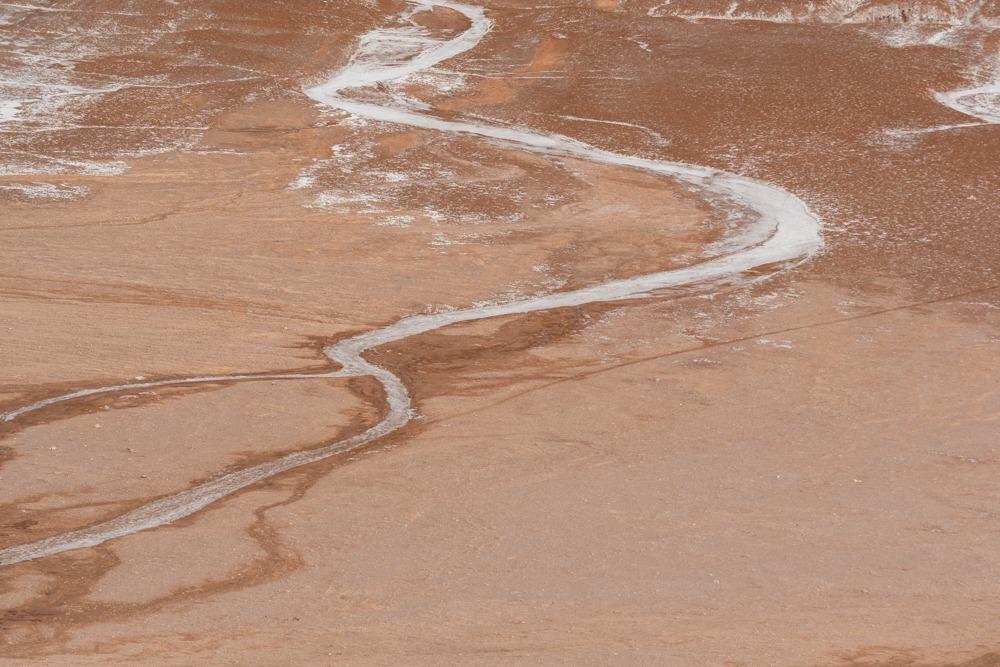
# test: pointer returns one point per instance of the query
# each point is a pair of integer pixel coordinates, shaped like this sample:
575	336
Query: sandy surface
794	471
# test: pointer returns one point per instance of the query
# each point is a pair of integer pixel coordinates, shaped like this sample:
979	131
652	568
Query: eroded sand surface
610	332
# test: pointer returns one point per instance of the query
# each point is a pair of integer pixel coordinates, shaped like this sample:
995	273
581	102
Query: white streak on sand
204	379
45	190
791	234
909	132
657	137
10	110
982	102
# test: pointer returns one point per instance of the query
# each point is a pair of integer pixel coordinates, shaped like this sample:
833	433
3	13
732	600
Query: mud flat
628	421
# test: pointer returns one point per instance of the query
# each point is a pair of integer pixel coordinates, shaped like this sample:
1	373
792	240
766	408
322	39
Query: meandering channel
782	231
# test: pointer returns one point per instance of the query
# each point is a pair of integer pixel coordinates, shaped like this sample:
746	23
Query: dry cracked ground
801	470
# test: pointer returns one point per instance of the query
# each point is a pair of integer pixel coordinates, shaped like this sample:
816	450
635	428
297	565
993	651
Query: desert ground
500	332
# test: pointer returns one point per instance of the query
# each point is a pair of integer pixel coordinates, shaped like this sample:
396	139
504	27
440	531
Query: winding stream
782	231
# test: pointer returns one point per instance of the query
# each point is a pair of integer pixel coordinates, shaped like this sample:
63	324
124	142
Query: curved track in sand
982	102
781	230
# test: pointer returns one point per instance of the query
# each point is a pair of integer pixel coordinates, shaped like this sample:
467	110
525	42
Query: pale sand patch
175	559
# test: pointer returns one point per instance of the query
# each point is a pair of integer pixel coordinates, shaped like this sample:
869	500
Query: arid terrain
496	332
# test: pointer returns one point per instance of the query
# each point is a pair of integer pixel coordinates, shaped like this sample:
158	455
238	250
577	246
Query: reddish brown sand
802	471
